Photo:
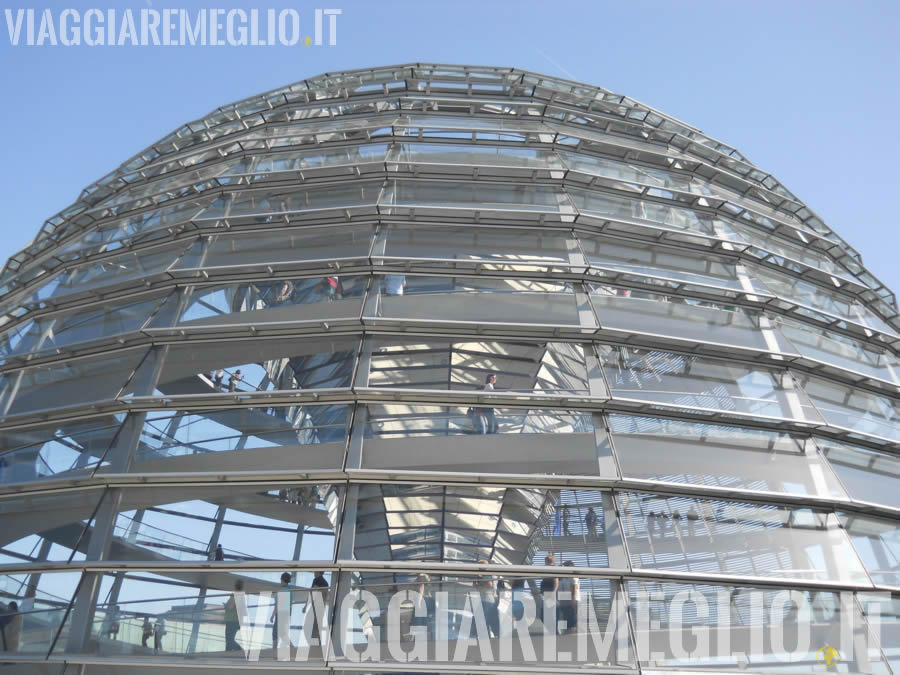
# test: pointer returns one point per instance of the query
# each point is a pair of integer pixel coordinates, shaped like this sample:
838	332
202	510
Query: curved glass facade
358	371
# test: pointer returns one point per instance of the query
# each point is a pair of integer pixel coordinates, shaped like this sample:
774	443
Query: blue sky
806	90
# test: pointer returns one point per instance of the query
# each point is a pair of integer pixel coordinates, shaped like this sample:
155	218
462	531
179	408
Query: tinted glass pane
878	543
853	409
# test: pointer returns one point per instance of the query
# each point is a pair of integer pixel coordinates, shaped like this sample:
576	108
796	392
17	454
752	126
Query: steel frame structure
648	292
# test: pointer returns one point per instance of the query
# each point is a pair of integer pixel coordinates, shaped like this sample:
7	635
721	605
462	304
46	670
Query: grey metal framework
262	345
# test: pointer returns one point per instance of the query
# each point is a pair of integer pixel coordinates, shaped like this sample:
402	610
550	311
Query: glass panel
267	203
93	323
491	248
877	542
436	438
260	365
60	533
481	300
721	537
853	409
839	350
482	156
453	619
740	629
65	449
505	526
114	270
698	383
477	196
609	168
676	451
883	610
67	382
606	205
637	260
204	614
551	368
686	318
34	606
231	524
275	301
818	298
112	236
289	438
868	475
232	251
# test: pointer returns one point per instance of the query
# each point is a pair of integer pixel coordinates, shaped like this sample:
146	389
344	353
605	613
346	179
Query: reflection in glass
491	248
203	614
507	526
685	318
519	367
63	449
723	537
258	365
62	532
436	438
839	350
34	606
877	542
231	524
271	301
699	383
68	382
298	438
477	299
99	321
853	409
439	613
867	474
677	451
755	629
261	247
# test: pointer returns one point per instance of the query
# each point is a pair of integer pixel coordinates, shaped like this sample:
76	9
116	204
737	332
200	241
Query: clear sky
808	90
